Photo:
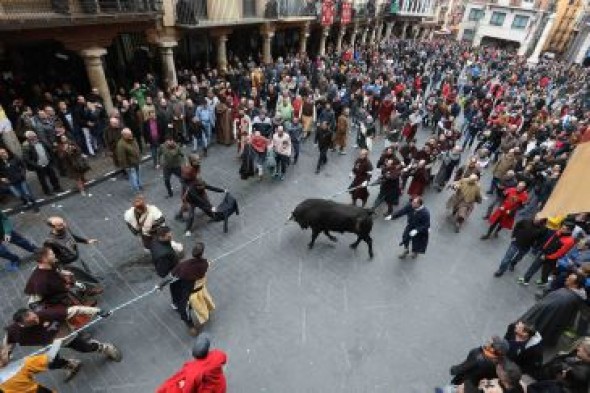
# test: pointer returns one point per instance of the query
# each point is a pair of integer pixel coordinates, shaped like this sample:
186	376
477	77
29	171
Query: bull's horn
291	217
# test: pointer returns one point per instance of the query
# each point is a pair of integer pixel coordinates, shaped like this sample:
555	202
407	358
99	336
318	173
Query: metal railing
189	12
43	9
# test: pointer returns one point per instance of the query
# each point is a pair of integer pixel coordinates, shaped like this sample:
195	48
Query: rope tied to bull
171	279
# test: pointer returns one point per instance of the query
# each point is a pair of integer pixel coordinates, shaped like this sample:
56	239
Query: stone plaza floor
289	318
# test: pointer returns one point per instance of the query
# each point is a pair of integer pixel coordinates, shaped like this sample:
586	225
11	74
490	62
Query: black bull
323	215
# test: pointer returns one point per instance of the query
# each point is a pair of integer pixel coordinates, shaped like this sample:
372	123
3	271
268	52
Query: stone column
353	36
303	36
95	70
404	30
168	66
323	38
425	33
341	34
388	30
267	46
222	52
364	35
373	34
416	33
534	58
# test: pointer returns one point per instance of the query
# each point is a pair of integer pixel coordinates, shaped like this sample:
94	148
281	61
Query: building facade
110	43
578	51
562	33
510	23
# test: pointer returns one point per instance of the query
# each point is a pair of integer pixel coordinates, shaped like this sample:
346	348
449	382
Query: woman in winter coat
461	203
76	165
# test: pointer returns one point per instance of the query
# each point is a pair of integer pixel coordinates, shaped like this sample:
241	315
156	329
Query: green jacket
128	153
170	158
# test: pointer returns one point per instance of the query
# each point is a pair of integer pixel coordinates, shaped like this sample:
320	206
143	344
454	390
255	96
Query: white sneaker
173	306
388	218
187	234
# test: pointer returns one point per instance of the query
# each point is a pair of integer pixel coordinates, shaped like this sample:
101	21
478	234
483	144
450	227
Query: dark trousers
191	216
323	159
513	255
546	266
47	173
18	240
495	227
78	344
168	172
176	295
380	199
296	146
282	163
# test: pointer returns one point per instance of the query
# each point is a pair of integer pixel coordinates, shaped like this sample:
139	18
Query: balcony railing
16	13
420	8
290	8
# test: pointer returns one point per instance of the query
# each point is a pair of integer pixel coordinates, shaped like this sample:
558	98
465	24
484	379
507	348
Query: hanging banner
346	16
327	12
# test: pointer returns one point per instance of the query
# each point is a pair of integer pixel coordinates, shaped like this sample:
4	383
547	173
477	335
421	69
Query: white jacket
145	222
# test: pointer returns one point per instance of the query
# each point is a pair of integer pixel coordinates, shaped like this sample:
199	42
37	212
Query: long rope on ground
159	287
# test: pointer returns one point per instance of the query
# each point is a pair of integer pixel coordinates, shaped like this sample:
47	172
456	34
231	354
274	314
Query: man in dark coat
323	138
389	185
417	228
14	175
38	157
556	311
165	259
526	234
480	362
196	196
525	347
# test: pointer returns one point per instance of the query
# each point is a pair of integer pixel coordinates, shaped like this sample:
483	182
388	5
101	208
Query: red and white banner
346	16
327	12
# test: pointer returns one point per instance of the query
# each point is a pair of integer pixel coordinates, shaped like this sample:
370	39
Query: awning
571	195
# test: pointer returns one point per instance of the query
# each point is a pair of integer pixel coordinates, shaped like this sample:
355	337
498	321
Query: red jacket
558	245
198	376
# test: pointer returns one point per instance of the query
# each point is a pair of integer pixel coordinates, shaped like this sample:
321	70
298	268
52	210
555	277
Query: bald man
64	244
128	157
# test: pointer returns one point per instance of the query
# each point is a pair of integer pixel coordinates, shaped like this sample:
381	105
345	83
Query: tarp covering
572	192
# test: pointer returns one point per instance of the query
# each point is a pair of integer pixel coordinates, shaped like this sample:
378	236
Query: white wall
504	32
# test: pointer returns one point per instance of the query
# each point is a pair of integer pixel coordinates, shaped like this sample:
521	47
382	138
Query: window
475	14
468	34
497	18
520	22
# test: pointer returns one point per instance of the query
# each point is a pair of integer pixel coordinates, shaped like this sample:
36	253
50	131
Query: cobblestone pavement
290	319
